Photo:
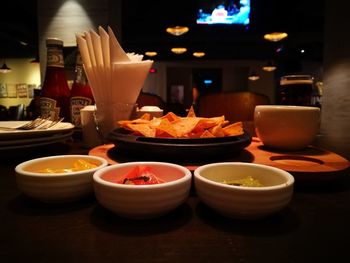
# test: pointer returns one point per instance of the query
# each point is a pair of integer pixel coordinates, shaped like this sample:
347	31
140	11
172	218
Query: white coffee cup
91	137
154	111
286	127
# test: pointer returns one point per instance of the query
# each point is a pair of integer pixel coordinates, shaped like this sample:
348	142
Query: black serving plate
178	148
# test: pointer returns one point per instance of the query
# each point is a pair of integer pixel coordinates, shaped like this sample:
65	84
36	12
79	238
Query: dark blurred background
144	24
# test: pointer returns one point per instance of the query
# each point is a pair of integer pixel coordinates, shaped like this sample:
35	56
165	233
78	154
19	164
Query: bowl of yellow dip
59	178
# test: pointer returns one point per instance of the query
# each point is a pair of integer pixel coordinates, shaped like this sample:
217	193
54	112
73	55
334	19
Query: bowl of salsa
142	190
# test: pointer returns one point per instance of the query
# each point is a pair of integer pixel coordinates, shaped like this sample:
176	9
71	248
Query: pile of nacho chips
173	126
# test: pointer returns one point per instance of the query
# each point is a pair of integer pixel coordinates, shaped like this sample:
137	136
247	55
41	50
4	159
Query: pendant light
269	66
151	53
177	30
198	54
178	50
4	68
254	76
275	36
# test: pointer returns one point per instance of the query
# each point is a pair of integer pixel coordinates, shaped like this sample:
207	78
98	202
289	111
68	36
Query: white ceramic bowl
286	127
154	111
243	202
57	187
143	201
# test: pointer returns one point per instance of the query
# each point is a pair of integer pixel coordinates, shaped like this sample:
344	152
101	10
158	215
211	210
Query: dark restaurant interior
237	48
144	22
225	68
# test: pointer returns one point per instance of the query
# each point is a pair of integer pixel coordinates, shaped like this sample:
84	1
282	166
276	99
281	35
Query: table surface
315	227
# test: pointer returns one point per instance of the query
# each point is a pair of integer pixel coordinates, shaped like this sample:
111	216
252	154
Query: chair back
3	113
236	106
148	99
16	112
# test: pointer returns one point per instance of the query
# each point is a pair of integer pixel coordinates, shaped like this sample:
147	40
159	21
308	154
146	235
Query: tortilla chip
191	112
171	125
217	131
165	127
170	116
207	134
184	126
124	123
207	123
143	129
233	129
146	116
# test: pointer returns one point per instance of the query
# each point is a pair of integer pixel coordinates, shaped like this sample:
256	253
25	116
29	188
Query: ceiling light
275	36
177	30
269	66
178	50
254	76
279	49
23	43
5	69
151	53
198	54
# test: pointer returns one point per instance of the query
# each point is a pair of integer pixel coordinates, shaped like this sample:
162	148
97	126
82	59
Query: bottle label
55	57
77	103
48	108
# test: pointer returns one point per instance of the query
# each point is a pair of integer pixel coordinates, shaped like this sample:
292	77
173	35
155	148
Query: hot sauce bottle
54	101
81	94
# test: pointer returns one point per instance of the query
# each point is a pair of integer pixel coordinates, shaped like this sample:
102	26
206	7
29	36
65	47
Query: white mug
91	137
286	127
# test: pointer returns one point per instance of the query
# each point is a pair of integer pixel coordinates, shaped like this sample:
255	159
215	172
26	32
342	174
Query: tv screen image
223	12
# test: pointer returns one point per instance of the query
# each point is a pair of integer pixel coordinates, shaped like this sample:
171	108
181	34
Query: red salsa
139	175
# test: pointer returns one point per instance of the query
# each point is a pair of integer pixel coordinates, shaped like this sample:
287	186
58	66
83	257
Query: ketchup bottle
81	94
54	101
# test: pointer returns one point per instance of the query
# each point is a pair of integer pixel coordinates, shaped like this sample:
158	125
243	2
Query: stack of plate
22	139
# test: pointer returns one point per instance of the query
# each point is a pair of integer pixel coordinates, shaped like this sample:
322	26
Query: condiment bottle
81	94
54	101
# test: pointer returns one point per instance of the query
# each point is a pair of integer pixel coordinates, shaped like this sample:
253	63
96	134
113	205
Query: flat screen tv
231	12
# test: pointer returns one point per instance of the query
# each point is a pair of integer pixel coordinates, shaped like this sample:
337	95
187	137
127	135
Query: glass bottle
81	93
296	90
54	101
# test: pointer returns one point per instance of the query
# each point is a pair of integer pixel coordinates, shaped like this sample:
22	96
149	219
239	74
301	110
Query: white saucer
35	142
26	134
46	137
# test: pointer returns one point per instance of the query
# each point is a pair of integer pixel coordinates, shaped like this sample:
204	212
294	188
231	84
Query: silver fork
49	124
29	125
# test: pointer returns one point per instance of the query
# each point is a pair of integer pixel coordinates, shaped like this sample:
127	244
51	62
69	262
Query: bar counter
315	227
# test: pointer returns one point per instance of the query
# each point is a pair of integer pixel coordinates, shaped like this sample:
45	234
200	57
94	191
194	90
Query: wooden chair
3	113
148	99
236	106
16	112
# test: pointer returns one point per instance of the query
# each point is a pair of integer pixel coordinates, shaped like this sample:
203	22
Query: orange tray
310	164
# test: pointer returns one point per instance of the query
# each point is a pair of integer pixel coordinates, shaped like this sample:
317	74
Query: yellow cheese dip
79	165
247	181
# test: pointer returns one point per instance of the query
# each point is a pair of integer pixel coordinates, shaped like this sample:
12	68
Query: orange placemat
311	163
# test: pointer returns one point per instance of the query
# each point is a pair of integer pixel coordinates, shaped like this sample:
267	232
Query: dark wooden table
315	227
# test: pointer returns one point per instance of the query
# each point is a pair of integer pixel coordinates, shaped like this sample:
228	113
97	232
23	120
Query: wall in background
234	76
64	19
335	123
23	73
